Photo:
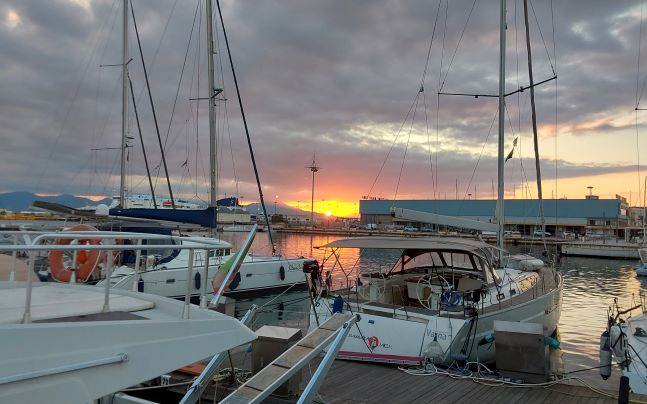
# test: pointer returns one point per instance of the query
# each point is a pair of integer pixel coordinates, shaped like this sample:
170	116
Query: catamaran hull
407	338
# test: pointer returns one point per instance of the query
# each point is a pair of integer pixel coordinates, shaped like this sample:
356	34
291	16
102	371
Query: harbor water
590	287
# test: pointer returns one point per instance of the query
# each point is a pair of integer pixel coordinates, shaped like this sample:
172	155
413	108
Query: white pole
138	256
212	115
187	297
106	296
124	105
12	275
205	275
500	214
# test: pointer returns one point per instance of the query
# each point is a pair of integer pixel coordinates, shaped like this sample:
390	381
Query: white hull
77	352
404	336
257	274
629	346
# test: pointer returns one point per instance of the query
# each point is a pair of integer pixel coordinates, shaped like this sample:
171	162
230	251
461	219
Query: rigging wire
451	61
638	96
93	48
249	141
179	84
424	98
397	134
414	103
552	21
141	139
150	97
431	162
541	34
440	73
406	148
496	113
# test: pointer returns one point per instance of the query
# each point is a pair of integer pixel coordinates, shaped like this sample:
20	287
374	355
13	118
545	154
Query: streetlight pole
313	168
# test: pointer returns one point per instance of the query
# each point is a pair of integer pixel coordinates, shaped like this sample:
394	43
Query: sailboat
257	275
439	299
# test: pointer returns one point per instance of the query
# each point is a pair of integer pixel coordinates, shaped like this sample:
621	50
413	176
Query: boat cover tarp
403	243
203	217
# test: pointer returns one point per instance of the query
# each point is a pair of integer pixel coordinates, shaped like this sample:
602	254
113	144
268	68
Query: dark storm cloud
332	77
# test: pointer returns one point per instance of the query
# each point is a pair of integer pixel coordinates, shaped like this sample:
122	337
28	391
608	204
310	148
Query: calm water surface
590	285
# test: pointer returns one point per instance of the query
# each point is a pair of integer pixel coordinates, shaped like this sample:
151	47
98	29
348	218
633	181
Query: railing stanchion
106	297
187	297
138	256
26	318
205	275
12	275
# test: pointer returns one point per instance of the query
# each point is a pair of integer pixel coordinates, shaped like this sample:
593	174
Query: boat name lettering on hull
438	335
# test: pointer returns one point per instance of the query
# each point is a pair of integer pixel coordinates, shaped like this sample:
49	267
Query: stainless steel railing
36	242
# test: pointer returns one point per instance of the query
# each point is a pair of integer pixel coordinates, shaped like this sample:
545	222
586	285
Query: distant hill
281	209
21	201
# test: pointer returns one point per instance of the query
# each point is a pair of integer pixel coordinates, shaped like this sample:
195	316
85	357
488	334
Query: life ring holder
86	261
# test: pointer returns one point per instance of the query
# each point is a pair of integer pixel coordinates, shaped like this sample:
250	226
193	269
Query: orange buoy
86	260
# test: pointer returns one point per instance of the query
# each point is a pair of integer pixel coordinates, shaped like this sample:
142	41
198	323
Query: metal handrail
36	245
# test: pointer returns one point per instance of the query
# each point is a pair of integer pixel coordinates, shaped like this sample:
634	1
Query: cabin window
219	252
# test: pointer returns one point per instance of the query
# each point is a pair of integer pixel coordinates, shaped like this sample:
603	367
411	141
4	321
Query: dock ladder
261	385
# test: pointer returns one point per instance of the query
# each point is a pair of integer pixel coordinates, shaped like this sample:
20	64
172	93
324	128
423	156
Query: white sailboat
439	300
258	274
626	339
72	343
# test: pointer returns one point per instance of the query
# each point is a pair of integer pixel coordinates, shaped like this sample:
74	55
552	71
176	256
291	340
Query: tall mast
212	115
500	213
534	125
124	105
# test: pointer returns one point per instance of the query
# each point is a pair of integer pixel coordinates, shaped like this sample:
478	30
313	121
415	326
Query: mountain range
21	201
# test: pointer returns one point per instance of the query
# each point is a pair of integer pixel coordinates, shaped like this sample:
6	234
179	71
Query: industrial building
581	216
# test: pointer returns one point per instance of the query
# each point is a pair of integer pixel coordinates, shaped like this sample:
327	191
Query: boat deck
395	299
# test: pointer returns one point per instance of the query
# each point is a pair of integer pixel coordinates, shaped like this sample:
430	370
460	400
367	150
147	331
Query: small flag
514	144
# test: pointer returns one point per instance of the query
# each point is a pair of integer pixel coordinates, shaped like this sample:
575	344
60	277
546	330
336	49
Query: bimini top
409	243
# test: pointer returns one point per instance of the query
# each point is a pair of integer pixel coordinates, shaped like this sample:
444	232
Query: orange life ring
86	261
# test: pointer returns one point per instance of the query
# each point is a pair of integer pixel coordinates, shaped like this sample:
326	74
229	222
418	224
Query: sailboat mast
534	125
124	105
500	213
212	114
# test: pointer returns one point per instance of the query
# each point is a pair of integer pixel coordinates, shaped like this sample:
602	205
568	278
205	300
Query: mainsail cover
202	217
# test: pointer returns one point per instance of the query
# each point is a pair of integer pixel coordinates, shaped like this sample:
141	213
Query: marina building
581	216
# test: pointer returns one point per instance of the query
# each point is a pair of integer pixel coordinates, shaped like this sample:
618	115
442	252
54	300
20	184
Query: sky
335	80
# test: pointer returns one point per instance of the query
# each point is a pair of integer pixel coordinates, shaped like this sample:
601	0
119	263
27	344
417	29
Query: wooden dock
360	382
357	382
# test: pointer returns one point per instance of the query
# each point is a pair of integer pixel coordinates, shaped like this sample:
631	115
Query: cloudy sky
337	79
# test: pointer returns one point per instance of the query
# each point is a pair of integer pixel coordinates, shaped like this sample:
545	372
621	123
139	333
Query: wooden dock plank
292	356
315	338
356	382
266	377
334	322
243	395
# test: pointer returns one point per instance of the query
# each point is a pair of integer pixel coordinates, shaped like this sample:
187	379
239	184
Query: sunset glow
336	207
